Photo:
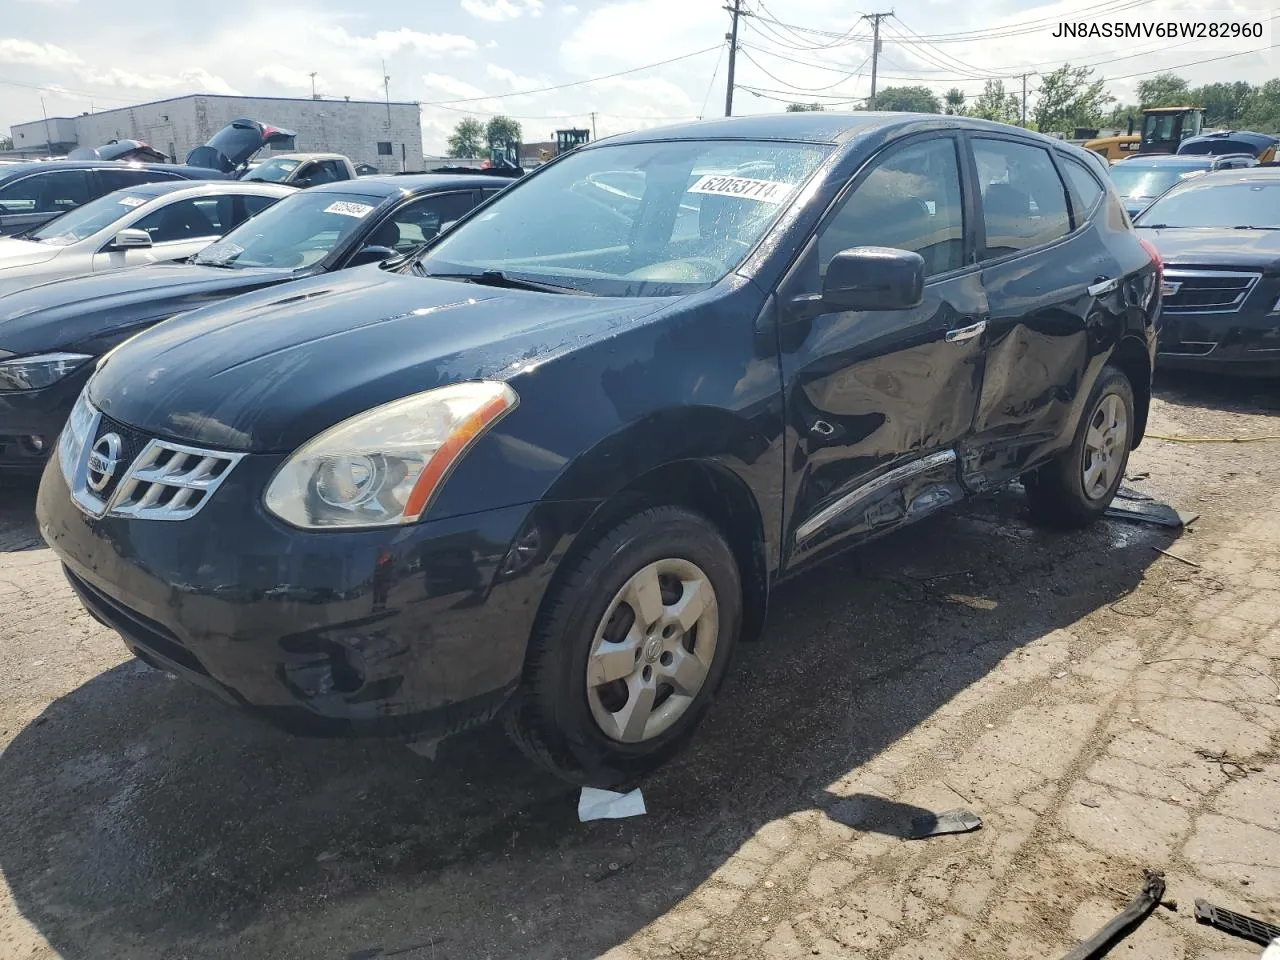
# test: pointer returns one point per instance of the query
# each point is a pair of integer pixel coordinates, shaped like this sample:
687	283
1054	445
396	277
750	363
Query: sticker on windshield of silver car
348	209
766	191
131	201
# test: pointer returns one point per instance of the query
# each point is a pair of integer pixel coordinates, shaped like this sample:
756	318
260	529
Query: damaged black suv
551	466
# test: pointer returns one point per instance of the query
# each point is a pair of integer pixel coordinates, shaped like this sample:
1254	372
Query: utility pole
732	37
875	19
1024	99
593	124
386	87
313	85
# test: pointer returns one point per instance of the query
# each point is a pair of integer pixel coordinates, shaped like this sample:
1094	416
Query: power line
707	96
572	83
800	89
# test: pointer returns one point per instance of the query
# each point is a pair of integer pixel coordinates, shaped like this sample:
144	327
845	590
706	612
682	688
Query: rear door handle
1102	286
961	334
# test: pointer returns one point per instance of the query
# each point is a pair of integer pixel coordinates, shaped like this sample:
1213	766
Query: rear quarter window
1085	185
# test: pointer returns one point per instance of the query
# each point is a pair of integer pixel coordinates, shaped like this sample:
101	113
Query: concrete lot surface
1102	707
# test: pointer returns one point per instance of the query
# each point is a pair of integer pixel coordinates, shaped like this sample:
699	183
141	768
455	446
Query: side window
52	192
912	201
184	220
1024	201
1089	190
326	171
420	221
110	181
384	148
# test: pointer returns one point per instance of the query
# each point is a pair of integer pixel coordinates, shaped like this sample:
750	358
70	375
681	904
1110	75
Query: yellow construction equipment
1163	129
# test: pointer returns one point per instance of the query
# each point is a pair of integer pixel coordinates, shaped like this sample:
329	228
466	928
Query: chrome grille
1207	291
165	481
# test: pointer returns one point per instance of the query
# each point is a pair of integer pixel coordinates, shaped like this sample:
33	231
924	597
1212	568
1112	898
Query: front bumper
412	631
37	413
1245	344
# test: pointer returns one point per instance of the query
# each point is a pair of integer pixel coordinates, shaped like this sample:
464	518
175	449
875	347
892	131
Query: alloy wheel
1105	446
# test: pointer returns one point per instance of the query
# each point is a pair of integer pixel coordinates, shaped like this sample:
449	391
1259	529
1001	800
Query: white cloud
495	10
198	79
512	79
386	42
568	9
286	76
14	50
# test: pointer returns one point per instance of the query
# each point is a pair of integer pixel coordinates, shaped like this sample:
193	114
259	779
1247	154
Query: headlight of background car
33	373
385	466
75	434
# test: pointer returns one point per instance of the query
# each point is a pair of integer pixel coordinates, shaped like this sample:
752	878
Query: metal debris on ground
1236	924
1124	922
1143	509
941	824
596	804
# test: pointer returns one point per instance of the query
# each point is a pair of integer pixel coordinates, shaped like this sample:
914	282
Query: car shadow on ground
1220	391
17	517
144	819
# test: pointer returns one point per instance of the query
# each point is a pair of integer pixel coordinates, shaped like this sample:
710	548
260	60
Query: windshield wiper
1249	227
496	278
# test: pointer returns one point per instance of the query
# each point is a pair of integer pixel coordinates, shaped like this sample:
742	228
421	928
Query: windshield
87	220
644	219
1140	181
273	171
1236	203
296	232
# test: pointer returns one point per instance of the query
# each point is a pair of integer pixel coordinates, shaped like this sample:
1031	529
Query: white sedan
149	223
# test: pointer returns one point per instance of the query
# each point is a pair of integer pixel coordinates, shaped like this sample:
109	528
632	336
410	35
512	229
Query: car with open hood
151	223
52	334
552	466
1219	238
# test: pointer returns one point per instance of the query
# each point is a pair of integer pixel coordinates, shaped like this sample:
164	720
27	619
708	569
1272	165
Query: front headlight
75	434
34	373
385	466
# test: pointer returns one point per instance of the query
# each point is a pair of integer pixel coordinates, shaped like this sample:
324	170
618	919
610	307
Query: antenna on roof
386	87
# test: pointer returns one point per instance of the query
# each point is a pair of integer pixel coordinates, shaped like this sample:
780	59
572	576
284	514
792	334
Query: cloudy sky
462	57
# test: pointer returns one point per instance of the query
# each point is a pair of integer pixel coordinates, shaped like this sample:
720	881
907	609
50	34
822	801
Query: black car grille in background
131	443
1207	291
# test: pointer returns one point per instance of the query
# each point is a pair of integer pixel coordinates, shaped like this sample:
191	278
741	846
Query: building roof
222	96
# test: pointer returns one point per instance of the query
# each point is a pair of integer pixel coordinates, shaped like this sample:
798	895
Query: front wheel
1076	487
630	650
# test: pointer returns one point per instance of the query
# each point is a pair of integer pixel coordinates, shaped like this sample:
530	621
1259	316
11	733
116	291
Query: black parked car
554	465
51	334
33	193
1219	238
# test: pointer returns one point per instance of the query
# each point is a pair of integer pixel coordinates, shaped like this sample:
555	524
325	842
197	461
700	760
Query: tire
600	733
1075	488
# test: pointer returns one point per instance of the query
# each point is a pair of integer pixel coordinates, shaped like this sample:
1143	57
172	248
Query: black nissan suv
552	466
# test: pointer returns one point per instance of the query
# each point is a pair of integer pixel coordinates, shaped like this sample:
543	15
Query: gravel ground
1102	707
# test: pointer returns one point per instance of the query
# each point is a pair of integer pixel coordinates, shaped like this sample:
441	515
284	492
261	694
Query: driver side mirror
874	278
372	255
131	240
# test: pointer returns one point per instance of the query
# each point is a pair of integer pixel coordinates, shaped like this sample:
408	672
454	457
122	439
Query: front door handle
961	334
1103	285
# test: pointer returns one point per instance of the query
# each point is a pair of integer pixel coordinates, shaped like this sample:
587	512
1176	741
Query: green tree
6	143
1070	97
1164	90
502	128
467	139
1225	104
1263	111
804	108
993	103
954	102
908	100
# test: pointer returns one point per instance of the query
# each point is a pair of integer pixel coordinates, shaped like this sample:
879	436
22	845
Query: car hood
24	253
77	312
1258	249
268	371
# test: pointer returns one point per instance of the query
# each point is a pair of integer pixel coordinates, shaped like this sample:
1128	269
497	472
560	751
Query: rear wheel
630	650
1075	489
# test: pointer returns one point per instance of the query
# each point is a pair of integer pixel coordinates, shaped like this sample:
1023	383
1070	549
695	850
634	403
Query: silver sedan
149	223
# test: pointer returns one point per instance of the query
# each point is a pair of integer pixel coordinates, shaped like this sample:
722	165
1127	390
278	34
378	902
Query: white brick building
389	136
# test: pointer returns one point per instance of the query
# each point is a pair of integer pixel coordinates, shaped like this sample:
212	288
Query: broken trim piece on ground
1124	922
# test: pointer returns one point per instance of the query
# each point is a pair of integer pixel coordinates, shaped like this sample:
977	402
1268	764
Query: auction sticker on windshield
766	191
131	201
348	209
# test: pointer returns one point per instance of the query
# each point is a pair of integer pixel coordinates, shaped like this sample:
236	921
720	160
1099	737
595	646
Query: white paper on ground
606	805
1272	952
